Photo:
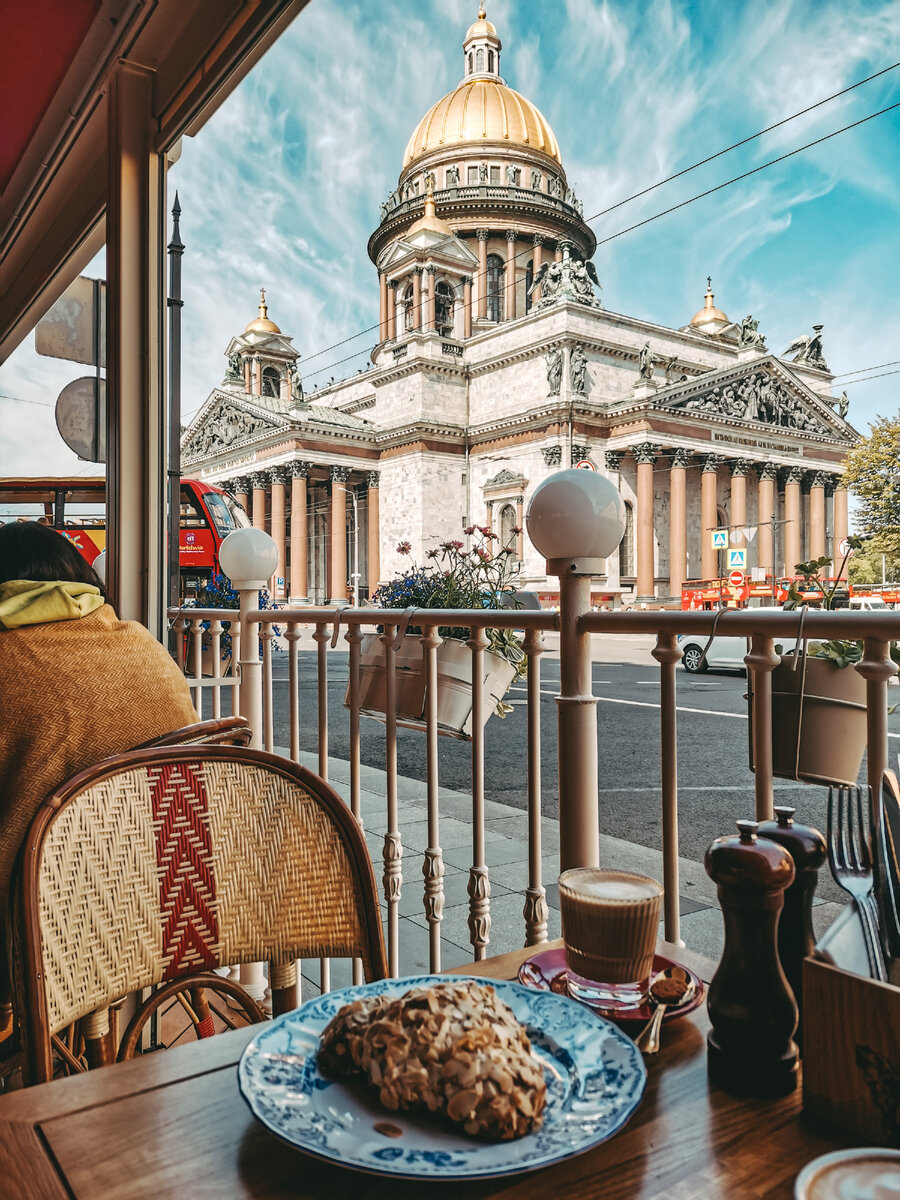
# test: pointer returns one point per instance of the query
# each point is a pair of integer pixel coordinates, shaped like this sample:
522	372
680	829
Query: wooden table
174	1124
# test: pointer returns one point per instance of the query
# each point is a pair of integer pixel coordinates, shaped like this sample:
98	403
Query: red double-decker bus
77	508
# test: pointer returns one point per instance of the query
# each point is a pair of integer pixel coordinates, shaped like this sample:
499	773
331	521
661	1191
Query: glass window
192	515
472	175
495	174
408	311
507	525
494	287
479	60
226	513
443	306
490	60
626	546
271	382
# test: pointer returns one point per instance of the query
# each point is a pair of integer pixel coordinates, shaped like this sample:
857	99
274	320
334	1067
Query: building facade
496	365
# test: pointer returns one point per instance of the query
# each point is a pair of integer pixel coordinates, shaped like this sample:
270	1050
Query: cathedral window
471	62
479	60
495	174
472	176
490	60
507	527
626	546
409	316
443	308
271	382
494	287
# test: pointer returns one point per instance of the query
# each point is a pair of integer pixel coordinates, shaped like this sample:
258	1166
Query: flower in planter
454	577
218	592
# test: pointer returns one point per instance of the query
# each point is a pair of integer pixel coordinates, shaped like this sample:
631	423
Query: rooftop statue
809	349
750	335
235	367
645	362
843	405
571	279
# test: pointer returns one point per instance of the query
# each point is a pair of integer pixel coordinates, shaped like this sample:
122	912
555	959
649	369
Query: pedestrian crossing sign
720	539
737	560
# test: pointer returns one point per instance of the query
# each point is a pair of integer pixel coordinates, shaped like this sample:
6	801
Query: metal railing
577	732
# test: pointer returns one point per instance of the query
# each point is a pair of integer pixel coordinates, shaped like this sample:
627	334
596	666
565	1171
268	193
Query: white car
724	651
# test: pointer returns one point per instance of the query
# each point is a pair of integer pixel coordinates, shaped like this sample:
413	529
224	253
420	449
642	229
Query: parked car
724	652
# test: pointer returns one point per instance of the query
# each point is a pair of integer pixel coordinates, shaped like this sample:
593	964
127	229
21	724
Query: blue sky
283	185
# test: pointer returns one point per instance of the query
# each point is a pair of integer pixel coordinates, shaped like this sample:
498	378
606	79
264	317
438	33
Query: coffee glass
609	924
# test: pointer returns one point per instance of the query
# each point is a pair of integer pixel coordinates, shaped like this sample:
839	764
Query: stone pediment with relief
224	427
449	249
760	395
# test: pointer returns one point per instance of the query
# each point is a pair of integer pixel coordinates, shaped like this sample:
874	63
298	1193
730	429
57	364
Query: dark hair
29	550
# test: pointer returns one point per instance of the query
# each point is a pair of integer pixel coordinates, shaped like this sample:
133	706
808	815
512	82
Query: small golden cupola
709	320
261	323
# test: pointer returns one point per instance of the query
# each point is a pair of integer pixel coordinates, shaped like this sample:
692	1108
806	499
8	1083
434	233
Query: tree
865	565
873	475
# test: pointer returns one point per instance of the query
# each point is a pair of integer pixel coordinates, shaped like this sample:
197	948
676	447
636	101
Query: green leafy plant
453	577
218	592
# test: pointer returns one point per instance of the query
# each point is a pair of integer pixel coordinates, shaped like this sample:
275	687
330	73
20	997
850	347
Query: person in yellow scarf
76	684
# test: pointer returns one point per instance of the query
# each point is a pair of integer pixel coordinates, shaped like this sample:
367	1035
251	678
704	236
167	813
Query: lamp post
576	519
249	557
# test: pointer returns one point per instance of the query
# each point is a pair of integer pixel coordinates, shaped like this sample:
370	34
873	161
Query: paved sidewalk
506	840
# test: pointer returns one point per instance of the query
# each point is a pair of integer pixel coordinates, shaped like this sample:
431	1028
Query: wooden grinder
751	1047
796	939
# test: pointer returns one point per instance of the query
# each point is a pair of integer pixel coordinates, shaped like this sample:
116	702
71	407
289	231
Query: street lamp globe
576	519
99	565
249	558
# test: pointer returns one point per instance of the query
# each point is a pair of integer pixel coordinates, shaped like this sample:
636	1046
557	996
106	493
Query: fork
851	865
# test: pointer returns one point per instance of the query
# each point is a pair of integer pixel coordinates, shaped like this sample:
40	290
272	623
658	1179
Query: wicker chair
161	865
225	731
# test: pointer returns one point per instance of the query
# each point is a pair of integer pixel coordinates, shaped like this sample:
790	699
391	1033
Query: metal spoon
664	994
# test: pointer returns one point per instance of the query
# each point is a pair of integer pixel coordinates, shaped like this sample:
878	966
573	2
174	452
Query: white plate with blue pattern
595	1079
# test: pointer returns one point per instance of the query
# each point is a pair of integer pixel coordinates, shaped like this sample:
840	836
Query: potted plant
453	577
818	706
217	592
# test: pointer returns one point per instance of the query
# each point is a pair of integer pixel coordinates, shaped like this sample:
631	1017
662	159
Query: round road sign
736	578
844	548
585	465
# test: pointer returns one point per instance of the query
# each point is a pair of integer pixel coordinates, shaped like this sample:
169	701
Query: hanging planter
454	672
818	721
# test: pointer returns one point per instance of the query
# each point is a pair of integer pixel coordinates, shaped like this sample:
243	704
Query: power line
661	182
851	382
874	367
743	142
747	174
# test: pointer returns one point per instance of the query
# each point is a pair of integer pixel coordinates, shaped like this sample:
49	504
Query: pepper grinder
796	939
751	1049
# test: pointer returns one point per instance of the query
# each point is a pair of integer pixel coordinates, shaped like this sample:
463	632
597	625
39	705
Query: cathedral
497	364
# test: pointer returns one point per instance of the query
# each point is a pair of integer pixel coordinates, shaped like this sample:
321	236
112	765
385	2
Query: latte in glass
609	923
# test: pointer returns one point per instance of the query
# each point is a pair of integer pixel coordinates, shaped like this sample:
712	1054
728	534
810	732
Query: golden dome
709	319
481	28
481	110
262	324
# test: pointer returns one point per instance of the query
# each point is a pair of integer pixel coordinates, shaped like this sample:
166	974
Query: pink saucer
546	971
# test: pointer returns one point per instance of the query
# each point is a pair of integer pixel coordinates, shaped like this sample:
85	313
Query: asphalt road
715	781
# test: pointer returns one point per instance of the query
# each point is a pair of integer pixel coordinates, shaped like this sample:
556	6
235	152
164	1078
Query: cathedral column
483	235
430	301
467	306
259	481
248	383
417	297
339	477
392	310
510	306
489	519
382	307
520	523
765	553
738	516
645	457
242	493
841	523
678	520
817	515
792	551
557	253
299	532
257	381
708	555
373	543
279	530
613	463
537	260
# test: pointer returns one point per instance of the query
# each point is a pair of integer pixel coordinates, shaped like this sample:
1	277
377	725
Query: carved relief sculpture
552	455
759	397
223	428
571	279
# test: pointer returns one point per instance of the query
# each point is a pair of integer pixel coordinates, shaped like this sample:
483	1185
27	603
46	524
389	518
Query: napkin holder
851	1061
